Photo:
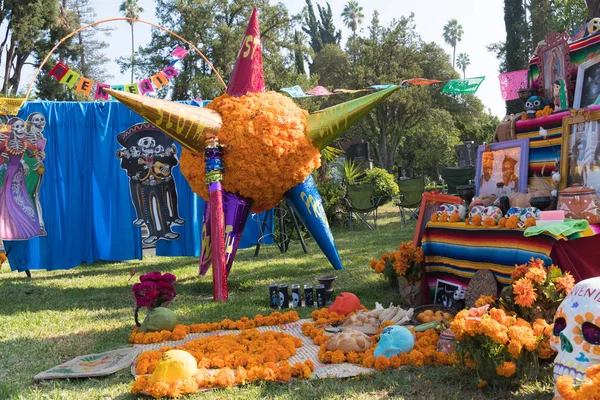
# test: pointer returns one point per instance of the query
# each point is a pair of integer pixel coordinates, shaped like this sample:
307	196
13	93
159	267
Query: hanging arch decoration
11	106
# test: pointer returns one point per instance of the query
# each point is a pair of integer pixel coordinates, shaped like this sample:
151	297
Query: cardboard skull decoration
576	333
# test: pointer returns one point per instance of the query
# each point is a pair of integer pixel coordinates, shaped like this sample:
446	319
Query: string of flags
81	84
454	86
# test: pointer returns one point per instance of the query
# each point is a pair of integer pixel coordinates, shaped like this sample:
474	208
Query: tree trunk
453	56
132	51
593	7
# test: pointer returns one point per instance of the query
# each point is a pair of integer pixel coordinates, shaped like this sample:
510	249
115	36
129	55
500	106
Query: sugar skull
513	211
281	299
393	341
491	212
576	333
534	104
526	213
477	210
453	209
345	304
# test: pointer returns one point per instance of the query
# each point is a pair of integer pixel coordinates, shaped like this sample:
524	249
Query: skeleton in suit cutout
149	156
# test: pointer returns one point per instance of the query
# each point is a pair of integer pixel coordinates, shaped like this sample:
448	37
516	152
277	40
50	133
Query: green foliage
26	23
351	172
332	66
332	194
321	32
383	183
453	32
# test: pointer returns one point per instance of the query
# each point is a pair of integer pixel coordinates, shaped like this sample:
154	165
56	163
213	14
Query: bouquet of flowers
500	345
536	291
154	290
406	262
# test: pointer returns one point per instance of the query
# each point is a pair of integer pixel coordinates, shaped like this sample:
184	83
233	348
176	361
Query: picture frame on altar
587	88
554	65
506	162
580	153
448	294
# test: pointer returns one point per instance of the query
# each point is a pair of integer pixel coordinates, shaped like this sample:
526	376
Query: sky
482	22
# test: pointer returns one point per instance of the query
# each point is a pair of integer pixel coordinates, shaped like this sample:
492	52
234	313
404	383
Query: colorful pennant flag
351	90
84	86
170	72
511	82
70	78
74	80
418	82
463	86
179	52
381	87
159	80
59	71
319	91
100	92
295	91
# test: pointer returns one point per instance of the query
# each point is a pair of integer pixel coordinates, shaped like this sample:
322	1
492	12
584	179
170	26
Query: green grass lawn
56	316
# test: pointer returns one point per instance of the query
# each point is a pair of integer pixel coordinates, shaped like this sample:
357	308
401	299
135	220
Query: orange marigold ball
266	150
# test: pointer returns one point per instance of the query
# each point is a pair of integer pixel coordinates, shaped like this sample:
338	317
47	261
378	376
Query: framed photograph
554	81
580	153
506	162
587	88
448	294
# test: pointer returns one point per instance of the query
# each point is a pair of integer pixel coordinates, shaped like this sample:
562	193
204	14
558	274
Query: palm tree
452	35
131	9
353	16
463	62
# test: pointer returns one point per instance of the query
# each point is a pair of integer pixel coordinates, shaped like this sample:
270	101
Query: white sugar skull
491	212
147	145
593	26
460	293
453	209
576	334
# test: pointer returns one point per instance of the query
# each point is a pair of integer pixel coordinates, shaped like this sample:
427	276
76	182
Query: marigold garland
424	353
180	331
258	131
227	360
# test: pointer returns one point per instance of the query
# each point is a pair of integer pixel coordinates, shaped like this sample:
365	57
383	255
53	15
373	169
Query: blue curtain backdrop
85	199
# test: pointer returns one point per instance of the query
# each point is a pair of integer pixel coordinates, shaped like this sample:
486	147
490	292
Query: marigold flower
536	274
257	128
565	283
483	300
564	387
512	222
525	292
476	220
382	363
443	217
507	369
501	224
455	217
482	383
489	222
